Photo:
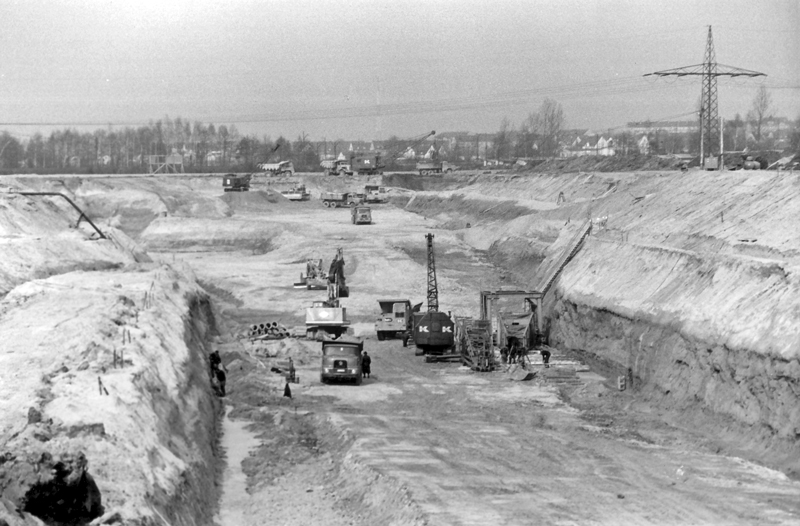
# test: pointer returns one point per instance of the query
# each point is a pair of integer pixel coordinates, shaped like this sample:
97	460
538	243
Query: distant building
645	127
643	145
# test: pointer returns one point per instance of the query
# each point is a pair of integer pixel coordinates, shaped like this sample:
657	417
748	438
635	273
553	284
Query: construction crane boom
433	289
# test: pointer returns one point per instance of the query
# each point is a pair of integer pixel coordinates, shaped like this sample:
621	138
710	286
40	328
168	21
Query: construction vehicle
327	318
396	318
236	183
315	277
336	167
298	193
341	360
339	199
430	167
375	194
433	330
360	214
279	168
373	163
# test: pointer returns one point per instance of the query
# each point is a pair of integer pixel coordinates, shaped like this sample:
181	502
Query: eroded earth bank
687	285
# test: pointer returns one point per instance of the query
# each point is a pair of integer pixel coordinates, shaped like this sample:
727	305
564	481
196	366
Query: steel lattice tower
709	70
433	289
709	114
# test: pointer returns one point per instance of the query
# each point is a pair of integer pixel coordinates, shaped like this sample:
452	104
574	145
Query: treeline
202	147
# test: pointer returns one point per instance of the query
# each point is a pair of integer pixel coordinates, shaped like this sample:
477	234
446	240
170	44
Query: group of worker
515	353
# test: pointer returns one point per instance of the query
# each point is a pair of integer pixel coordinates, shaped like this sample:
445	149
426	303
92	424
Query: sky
374	69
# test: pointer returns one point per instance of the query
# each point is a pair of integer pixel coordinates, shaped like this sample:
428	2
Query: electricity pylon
709	116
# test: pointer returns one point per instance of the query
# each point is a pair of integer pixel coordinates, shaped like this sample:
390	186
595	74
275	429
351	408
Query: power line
590	89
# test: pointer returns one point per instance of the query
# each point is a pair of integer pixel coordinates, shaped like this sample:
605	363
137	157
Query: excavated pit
686	286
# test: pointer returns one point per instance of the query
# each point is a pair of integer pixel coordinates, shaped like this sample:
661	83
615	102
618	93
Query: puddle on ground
237	442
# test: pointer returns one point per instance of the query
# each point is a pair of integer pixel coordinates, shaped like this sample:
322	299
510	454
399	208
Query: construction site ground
421	443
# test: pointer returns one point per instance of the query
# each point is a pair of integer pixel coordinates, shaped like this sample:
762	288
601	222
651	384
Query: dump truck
280	168
236	183
341	360
360	215
336	167
395	319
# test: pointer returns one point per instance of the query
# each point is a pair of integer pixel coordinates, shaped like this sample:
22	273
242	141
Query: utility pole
709	70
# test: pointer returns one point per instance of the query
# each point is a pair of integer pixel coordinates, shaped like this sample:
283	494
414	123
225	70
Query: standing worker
291	377
546	357
215	361
366	362
221	379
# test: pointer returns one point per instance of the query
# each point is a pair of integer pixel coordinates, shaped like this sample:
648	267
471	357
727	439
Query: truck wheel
359	379
449	170
322	379
381	336
405	341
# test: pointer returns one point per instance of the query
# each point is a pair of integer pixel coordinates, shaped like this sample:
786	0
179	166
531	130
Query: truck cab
375	194
341	360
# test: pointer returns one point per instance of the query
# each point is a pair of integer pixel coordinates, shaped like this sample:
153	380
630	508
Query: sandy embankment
135	441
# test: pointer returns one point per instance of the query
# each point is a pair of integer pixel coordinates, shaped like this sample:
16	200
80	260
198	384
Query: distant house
643	145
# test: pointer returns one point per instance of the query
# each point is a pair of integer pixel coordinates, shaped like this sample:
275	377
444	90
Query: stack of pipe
268	330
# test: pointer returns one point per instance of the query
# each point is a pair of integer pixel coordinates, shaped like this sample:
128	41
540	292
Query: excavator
432	330
327	318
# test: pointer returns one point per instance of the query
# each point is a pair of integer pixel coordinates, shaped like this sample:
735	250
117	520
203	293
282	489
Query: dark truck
360	215
341	360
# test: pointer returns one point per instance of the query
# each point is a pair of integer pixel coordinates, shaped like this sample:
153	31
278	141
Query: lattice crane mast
433	289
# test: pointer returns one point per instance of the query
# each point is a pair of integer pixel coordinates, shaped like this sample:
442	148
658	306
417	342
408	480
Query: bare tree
761	104
550	124
502	140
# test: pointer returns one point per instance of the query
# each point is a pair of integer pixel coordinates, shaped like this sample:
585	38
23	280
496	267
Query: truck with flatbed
339	199
428	167
279	168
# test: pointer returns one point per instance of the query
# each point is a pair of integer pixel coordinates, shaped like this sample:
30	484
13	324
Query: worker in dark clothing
291	374
504	354
215	361
222	377
545	357
366	362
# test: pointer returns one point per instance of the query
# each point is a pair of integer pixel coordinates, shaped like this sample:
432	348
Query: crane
433	330
433	289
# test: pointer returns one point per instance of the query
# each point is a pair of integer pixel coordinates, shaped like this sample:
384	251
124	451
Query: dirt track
456	447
